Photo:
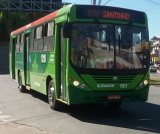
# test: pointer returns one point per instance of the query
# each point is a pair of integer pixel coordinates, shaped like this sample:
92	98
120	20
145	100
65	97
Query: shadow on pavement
138	116
133	115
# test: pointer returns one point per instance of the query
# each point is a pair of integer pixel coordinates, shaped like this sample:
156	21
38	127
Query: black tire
21	87
53	103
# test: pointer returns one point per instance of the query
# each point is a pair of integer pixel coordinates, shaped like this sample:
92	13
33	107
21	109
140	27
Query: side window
18	39
39	32
31	46
38	40
21	43
50	29
49	39
22	38
17	45
45	29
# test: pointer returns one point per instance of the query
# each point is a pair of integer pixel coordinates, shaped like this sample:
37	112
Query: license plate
114	97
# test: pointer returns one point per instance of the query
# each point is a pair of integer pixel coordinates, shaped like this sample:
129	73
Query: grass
154	80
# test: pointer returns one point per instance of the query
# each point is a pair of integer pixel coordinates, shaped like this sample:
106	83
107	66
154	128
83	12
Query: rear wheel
54	104
20	86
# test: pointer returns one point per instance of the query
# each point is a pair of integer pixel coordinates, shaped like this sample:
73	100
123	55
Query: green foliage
10	21
1	14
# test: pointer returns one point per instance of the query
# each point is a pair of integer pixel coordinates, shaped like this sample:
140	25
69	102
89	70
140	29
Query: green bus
84	54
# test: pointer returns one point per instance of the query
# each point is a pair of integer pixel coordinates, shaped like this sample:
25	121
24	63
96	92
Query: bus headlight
145	82
76	83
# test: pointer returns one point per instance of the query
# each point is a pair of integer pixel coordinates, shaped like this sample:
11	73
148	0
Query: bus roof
40	21
37	22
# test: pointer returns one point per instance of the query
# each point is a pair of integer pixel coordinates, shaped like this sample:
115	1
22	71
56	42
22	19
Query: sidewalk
11	128
158	71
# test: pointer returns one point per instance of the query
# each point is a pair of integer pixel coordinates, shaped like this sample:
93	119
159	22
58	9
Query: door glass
63	64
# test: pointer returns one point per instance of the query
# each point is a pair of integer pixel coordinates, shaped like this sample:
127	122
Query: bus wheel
20	86
52	97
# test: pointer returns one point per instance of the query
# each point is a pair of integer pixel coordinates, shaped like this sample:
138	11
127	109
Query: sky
151	7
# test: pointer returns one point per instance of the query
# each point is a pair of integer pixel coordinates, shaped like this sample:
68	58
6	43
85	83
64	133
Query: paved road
31	109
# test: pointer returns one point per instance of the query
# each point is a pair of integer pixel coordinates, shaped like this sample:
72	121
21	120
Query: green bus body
41	56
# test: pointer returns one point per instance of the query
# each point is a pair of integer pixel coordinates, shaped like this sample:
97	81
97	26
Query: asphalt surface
29	113
13	128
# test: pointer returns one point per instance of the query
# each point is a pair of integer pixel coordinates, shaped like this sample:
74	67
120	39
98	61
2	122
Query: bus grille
113	79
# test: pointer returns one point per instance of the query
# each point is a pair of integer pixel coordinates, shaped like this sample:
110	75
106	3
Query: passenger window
18	39
22	38
45	29
49	39
17	45
38	41
38	32
50	29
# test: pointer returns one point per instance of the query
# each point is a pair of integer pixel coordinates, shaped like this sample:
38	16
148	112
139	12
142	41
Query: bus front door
26	58
63	47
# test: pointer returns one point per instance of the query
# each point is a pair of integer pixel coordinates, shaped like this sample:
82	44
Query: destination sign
116	15
112	13
91	13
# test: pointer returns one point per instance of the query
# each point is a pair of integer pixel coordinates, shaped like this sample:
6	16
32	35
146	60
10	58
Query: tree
10	21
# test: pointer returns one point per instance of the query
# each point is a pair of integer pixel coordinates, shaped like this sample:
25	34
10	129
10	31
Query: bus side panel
36	79
37	82
48	67
42	66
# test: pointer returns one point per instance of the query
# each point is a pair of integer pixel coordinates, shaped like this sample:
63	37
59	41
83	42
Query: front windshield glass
109	47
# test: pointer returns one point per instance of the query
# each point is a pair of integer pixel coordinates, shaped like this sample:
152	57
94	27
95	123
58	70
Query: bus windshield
106	46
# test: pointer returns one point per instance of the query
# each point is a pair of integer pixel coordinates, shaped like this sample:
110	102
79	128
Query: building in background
39	0
155	50
30	5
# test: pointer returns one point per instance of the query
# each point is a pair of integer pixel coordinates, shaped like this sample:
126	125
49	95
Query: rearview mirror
67	29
